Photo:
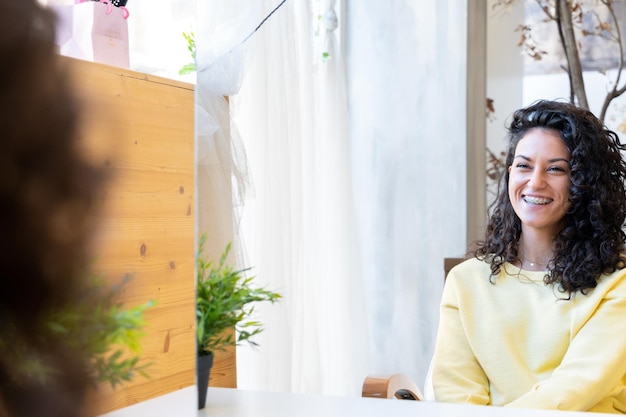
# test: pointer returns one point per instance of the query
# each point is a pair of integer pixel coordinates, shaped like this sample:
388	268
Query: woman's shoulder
477	271
613	283
469	268
472	262
470	279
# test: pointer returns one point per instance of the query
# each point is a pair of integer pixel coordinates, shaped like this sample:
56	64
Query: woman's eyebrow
559	159
549	160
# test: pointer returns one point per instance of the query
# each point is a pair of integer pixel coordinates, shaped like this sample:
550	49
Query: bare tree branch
616	91
568	39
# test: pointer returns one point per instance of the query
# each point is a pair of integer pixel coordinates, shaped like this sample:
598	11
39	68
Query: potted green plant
225	301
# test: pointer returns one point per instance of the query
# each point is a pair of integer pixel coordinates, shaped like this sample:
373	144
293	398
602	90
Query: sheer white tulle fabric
223	178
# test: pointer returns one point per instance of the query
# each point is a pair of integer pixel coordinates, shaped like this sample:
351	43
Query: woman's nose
537	179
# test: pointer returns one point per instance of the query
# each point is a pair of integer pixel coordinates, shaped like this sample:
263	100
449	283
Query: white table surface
226	402
179	403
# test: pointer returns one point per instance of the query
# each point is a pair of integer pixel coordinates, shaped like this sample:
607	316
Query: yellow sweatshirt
519	343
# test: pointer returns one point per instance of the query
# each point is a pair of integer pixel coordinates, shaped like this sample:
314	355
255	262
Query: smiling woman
539	189
550	272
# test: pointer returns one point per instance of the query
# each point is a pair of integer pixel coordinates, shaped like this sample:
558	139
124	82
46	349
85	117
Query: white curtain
299	229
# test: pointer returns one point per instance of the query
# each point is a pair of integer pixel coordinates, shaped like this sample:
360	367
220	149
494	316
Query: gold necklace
533	265
543	264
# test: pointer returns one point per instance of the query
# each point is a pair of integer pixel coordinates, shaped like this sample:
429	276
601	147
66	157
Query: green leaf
187	69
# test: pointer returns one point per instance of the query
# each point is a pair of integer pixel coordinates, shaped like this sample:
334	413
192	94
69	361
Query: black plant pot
204	364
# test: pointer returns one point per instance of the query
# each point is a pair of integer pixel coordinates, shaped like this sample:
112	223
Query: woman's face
539	181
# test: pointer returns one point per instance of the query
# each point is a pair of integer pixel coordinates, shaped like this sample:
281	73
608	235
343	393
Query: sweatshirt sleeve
457	376
594	364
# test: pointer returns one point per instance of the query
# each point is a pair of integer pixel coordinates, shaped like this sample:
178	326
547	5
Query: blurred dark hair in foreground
47	191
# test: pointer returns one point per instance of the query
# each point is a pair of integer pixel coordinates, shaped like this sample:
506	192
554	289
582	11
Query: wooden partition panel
141	127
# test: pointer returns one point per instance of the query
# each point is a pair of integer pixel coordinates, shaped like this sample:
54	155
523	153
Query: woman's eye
557	169
522	165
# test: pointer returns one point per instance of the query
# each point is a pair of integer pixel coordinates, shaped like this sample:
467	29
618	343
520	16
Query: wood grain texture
141	129
224	371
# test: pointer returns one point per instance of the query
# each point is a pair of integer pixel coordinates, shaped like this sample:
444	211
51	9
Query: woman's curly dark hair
47	190
591	242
